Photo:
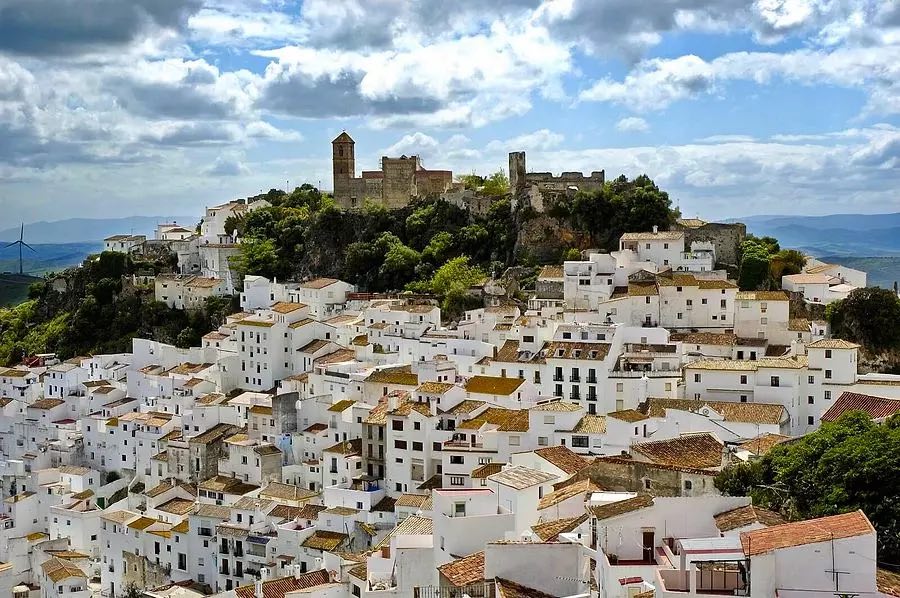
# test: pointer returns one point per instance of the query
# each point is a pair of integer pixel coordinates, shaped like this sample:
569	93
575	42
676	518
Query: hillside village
331	441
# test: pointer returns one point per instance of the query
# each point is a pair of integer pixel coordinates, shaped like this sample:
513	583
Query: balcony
591	379
574	378
575	396
558	378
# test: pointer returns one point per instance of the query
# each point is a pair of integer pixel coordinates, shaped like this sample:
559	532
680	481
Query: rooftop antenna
21	243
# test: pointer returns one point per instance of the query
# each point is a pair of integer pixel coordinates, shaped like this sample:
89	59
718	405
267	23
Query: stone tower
343	164
517	172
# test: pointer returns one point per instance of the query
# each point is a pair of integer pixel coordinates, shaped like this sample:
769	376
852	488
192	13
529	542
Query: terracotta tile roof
46	404
663	235
314	345
520	477
277	490
142	523
267	449
261	410
385	505
411	500
227	485
286	307
744	516
182	527
800	533
222	512
563	458
340	406
506	420
361	340
493	385
465	571
762	444
59	569
698	451
798	325
350	447
509	589
551	271
465	407
832	343
407	407
411	526
360	571
325	540
316	428
732	411
177	506
378	414
590	424
342	511
277	588
401	375
762	296
339	356
509	353
703	338
558	406
318	283
435	388
549	531
642	289
627	415
577	350
875	407
614	509
488	469
563	494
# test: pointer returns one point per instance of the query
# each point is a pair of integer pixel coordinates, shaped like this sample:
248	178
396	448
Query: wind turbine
21	243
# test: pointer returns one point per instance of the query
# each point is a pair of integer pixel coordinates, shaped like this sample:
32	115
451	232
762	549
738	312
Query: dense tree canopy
763	263
620	206
846	465
870	316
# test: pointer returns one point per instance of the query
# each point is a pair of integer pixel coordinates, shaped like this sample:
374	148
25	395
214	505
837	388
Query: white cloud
542	139
228	165
632	124
415	144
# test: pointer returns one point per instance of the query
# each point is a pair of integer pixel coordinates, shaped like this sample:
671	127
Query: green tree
870	316
257	256
845	465
784	263
496	184
754	267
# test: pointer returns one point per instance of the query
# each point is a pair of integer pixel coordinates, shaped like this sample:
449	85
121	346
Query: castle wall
726	238
547	182
399	183
433	182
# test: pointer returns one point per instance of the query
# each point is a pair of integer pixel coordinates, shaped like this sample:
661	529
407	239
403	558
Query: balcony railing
574	378
557	377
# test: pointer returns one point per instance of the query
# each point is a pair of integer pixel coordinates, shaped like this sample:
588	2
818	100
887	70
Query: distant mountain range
834	235
869	242
46	257
81	230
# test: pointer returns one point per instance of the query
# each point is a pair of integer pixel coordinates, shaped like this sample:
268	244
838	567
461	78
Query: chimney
643	389
655	229
393	401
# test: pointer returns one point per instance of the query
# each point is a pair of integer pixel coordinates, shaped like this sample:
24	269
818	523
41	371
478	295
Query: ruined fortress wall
433	182
546	180
726	238
399	183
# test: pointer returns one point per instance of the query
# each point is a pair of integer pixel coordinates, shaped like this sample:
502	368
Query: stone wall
726	238
399	184
546	181
142	572
284	410
625	475
545	238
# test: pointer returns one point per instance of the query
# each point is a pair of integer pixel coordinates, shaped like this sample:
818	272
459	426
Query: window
400	444
620	387
775	381
811	379
827	353
543	441
810	400
455	480
459	509
688	485
549	419
646	483
417	425
417	446
457	460
580	441
827	395
513	441
810	420
397	425
743	379
827	374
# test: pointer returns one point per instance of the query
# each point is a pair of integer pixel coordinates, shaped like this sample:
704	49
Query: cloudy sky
161	107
